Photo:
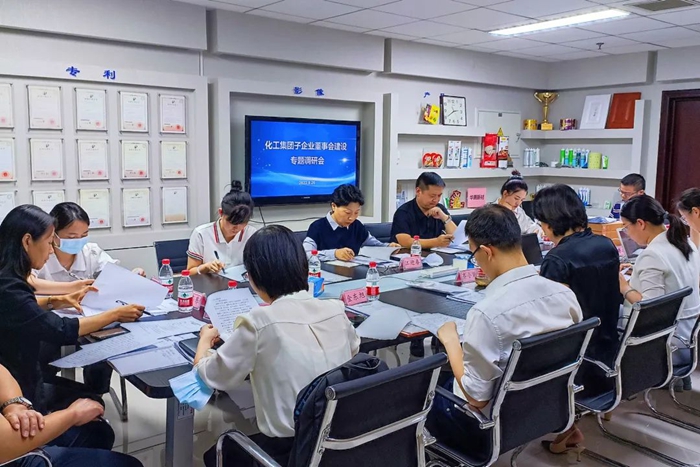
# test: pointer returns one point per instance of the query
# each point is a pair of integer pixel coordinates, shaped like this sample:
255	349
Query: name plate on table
354	297
199	300
411	263
467	275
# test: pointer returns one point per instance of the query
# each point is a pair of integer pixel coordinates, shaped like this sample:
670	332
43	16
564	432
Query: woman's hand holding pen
211	267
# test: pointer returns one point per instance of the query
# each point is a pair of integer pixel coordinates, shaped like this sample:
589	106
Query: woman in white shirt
219	244
669	262
513	193
283	346
689	208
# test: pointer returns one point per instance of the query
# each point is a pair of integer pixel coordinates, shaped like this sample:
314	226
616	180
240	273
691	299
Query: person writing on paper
518	303
28	235
513	193
220	244
283	346
689	208
22	430
669	263
630	186
340	235
75	259
424	216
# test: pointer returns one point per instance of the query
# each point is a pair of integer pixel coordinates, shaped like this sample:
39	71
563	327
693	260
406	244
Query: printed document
118	286
224	307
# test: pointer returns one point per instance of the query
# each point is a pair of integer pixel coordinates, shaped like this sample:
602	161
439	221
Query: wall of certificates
121	152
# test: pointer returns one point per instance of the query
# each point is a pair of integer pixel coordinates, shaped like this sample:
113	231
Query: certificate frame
98	125
141	220
60	197
137	173
132	126
56	175
178	128
180	173
11	174
55	122
164	207
101	174
595	112
7	120
85	194
7	195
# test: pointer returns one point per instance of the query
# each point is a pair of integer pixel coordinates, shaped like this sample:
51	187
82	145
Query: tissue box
316	285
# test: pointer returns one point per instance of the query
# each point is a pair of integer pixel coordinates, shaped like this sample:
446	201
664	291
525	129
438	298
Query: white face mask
72	246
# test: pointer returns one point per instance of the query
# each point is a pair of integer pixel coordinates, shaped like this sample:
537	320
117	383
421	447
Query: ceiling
464	24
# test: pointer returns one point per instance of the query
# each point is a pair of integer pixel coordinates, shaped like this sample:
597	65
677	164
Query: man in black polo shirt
424	216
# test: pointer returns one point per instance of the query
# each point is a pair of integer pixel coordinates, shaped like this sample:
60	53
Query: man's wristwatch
449	218
49	303
17	400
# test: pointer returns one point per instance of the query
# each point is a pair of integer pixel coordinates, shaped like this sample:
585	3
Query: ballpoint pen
216	253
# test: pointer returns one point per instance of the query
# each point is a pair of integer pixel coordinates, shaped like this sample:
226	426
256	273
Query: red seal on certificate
139	125
6	175
142	173
179	172
143	219
98	123
52	122
54	173
101	221
178	127
3	120
99	172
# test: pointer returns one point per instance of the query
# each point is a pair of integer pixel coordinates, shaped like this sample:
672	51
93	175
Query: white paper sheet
164	308
364	260
7	203
384	323
90	109
7	160
378	252
99	351
343	264
96	203
116	284
432	322
47	159
46	200
174	205
460	235
148	360
6	114
468	295
330	278
235	273
93	160
173	159
135	161
172	114
223	308
44	107
136	206
449	250
133	111
440	287
165	327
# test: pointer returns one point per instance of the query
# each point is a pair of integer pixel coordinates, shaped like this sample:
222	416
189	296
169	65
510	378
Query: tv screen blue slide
299	160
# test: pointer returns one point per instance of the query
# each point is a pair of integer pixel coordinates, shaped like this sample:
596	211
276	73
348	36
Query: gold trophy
546	98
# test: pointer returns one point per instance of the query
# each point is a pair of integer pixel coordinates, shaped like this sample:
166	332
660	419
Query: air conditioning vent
663	5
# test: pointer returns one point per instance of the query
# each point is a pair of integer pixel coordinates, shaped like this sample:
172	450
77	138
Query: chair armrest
685	341
252	449
464	407
610	373
428	439
578	388
36	452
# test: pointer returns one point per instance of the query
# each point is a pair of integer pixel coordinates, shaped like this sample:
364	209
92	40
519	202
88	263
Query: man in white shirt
518	304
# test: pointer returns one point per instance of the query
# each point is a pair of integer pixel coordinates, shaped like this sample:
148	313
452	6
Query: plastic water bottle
415	247
165	275
185	293
232	285
314	264
372	282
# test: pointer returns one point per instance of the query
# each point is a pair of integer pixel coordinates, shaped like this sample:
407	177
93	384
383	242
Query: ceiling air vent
663	5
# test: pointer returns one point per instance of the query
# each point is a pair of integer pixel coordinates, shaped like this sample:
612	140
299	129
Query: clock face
454	111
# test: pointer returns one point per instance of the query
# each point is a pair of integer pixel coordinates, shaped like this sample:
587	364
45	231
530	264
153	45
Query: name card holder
354	297
467	276
200	300
411	263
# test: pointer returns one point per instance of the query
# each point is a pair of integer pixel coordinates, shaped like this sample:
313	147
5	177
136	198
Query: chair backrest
536	393
379	419
175	251
380	231
644	360
300	236
528	207
459	218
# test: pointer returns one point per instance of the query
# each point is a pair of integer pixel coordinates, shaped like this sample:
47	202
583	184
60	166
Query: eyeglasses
624	227
471	258
626	194
685	221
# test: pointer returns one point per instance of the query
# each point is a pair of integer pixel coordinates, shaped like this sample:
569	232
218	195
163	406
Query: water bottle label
315	274
372	290
183	301
355	297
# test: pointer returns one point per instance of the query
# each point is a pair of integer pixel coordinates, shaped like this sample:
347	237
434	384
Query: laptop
632	248
531	249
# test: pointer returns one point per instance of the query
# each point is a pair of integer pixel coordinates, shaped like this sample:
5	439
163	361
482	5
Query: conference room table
179	442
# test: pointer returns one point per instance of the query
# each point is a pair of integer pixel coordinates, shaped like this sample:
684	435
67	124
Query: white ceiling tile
280	16
659	35
634	48
510	44
476	48
468	36
372	19
482	19
607	41
546	50
424	29
437	42
310	8
682	17
215	4
340	27
422	9
678	43
694	27
391	35
484	2
363	3
581	54
624	26
526	57
558	36
543	8
246	3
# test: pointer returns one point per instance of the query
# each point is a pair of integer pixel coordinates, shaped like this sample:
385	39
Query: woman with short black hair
689	207
513	193
283	346
340	234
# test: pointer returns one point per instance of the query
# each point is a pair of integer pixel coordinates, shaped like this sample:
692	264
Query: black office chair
387	431
528	207
300	236
381	231
35	453
175	251
535	397
643	361
459	218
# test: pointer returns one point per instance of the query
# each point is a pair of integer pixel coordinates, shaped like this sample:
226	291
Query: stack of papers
433	321
384	322
235	273
330	278
467	295
117	286
163	354
378	252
